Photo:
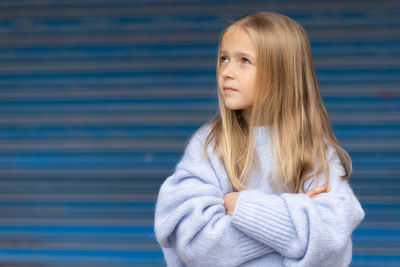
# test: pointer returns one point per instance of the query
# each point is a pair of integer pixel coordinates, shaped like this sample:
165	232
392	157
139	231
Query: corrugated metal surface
97	100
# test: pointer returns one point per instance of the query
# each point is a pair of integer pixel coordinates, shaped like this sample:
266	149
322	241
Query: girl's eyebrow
239	54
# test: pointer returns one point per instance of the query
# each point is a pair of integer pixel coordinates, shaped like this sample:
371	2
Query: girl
240	195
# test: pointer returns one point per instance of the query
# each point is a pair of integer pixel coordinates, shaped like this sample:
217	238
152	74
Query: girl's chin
234	106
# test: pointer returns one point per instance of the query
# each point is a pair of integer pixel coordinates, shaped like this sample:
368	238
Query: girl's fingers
317	190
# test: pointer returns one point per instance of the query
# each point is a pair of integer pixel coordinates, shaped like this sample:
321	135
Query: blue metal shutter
98	99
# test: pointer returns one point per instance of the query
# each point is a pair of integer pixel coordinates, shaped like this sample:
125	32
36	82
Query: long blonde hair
287	99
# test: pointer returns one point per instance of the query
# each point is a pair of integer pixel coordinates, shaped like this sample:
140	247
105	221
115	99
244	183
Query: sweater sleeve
305	231
190	216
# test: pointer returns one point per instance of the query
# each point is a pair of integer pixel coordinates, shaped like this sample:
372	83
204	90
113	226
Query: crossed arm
306	229
230	199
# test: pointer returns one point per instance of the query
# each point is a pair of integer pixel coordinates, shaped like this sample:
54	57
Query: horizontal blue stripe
308	17
374	232
377	259
131	254
78	228
73	204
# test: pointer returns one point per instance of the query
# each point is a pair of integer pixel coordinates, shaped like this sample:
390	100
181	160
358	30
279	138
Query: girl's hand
313	192
230	202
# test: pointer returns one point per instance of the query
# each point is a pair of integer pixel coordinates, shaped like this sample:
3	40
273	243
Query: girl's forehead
237	39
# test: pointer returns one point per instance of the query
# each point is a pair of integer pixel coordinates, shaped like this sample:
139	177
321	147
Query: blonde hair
287	99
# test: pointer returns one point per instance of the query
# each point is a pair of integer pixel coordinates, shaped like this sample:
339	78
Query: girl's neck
246	114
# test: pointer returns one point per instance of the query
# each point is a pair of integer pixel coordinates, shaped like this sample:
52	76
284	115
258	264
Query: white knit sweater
266	228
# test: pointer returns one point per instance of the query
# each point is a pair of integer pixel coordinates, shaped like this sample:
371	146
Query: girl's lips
228	89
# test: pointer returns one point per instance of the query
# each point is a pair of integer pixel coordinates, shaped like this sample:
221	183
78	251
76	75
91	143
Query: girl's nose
227	73
227	76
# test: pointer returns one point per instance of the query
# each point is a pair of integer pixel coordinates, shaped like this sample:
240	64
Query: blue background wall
98	99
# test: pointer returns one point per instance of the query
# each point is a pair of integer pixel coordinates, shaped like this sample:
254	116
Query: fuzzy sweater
266	228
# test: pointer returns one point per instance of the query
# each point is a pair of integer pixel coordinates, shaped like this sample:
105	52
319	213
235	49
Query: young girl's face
237	75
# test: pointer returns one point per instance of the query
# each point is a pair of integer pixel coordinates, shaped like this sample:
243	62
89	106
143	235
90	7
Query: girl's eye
245	61
224	59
